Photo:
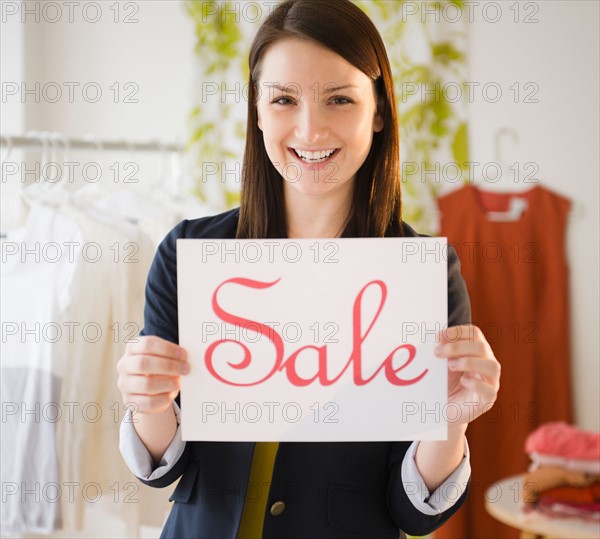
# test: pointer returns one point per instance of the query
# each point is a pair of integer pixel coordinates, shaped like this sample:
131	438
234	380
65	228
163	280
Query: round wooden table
503	500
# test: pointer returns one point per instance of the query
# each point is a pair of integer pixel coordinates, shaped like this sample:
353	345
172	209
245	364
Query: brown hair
342	27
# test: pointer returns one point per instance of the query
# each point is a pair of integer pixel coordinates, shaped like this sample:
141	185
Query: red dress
517	278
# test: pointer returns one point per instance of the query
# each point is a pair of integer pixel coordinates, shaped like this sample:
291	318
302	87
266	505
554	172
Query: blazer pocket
185	487
361	511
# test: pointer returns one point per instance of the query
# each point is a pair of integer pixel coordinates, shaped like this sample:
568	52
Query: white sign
313	340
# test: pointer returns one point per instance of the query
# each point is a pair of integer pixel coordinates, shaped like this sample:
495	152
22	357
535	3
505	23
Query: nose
311	125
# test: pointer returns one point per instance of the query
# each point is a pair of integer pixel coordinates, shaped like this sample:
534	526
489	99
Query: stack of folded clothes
564	477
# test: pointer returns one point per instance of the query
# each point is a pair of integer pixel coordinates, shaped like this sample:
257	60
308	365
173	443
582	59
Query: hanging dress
517	277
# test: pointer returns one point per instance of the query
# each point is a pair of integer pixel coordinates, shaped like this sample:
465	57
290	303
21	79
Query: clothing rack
35	139
113	216
52	143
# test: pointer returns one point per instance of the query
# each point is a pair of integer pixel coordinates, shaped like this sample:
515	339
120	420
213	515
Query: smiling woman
309	91
321	161
317	127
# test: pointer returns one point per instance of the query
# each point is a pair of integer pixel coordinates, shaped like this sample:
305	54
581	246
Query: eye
341	100
279	101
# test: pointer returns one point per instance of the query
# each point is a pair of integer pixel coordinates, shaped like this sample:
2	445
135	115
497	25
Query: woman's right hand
149	374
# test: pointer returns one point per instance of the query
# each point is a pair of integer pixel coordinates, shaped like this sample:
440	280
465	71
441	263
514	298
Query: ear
378	120
377	123
259	123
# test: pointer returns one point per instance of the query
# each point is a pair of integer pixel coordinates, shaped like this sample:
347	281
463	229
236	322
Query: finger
465	332
156	346
488	368
149	385
154	365
151	403
485	391
463	348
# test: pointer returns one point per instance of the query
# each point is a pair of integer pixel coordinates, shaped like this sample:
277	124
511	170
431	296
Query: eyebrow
333	89
292	86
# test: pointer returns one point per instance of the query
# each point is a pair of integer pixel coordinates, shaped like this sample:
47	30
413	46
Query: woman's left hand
473	373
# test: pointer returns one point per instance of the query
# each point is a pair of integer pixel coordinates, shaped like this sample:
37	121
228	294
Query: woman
321	161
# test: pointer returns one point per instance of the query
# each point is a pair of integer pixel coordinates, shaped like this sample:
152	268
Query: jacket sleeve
138	458
160	310
409	518
160	319
415	520
459	304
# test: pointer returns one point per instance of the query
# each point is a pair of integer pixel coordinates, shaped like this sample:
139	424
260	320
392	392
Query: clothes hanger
176	161
52	189
91	196
34	192
165	182
523	178
169	189
99	157
12	204
522	175
16	206
511	179
186	203
62	185
8	147
168	181
502	176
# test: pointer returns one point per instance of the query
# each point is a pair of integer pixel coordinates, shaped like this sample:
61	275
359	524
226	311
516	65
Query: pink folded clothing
548	478
559	510
559	439
576	465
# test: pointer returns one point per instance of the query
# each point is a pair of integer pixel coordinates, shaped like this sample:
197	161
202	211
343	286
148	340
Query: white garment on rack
96	299
39	281
114	300
149	211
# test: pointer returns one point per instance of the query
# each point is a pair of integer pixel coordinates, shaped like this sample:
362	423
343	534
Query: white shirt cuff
446	495
138	458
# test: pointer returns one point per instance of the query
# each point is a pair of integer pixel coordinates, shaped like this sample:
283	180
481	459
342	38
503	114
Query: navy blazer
330	490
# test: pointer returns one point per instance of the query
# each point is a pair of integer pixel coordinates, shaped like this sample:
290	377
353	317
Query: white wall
154	56
12	69
113	73
559	54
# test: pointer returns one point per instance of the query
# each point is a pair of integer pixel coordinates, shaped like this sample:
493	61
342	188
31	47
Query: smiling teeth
314	156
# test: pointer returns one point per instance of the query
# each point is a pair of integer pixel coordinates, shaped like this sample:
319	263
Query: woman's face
317	113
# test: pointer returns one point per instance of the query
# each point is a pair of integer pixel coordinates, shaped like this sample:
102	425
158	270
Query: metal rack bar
91	143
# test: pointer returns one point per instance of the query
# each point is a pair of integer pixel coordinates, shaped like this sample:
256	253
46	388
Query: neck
316	216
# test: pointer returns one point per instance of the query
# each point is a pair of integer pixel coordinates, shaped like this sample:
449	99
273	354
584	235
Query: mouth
317	157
